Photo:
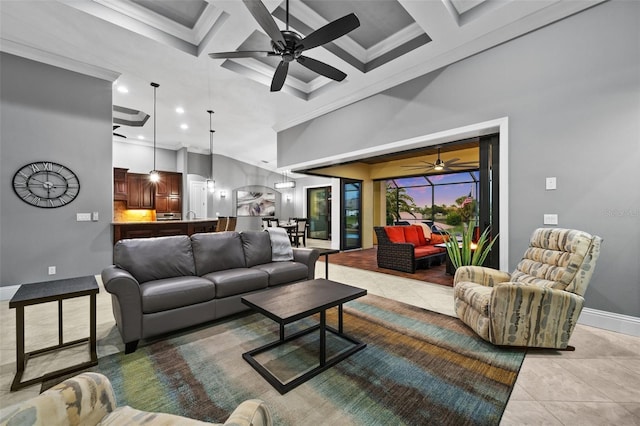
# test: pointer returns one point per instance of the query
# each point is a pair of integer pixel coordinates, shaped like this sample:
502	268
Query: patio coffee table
294	302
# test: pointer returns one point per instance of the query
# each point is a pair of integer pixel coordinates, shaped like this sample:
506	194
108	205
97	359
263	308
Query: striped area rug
419	368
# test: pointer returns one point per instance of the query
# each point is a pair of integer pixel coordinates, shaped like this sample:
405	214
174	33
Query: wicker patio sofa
406	248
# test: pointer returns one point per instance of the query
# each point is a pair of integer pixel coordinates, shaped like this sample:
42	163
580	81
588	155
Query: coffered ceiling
144	41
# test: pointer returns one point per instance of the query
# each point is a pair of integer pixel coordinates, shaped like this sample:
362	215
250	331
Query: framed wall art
255	203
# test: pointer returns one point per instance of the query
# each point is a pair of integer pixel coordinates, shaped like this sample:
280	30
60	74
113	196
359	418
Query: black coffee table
294	302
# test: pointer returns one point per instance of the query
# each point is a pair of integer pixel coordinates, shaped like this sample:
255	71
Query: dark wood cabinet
120	184
123	231
140	191
168	195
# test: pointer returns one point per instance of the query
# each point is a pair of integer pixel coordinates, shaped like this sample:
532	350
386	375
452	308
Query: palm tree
398	201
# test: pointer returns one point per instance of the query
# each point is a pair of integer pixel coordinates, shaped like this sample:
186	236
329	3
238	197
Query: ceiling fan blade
322	68
122	136
330	32
279	76
242	54
265	20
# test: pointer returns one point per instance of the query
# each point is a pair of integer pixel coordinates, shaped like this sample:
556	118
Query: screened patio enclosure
446	200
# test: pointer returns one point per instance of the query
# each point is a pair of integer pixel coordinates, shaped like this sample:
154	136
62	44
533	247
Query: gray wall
139	158
52	114
571	91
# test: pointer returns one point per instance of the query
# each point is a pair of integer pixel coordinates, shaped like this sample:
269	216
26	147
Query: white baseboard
6	293
619	323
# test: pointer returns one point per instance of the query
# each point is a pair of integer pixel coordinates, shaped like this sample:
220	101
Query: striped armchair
537	305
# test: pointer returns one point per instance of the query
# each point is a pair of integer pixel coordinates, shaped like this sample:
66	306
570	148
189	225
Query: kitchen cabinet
125	230
119	184
140	191
168	193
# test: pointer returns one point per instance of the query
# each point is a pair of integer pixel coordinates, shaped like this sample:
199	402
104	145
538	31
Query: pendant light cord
155	86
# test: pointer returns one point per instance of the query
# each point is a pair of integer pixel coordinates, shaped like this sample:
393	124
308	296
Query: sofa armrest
530	315
308	257
127	301
84	399
397	256
252	412
480	275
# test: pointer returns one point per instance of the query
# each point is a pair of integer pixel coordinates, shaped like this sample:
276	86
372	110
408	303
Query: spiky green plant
460	252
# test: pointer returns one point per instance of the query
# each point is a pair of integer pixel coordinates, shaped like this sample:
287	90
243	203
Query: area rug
418	368
367	259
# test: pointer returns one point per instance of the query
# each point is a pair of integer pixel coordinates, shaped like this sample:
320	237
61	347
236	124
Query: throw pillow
411	235
438	238
281	249
395	234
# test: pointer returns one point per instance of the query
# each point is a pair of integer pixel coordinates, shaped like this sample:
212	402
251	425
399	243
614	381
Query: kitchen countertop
151	222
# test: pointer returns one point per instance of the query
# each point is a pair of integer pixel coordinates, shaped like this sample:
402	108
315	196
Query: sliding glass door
350	218
319	212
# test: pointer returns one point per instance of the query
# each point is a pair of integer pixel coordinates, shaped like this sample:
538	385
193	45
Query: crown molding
38	55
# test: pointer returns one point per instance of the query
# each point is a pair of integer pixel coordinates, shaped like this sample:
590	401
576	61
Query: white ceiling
167	42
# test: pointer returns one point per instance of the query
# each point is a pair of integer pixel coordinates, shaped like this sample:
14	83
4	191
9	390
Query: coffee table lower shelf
323	364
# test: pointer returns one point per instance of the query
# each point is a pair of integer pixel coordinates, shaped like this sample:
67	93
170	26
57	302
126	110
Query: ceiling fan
289	45
451	165
117	134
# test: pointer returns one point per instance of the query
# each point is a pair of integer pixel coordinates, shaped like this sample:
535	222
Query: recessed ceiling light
180	110
123	89
184	126
140	137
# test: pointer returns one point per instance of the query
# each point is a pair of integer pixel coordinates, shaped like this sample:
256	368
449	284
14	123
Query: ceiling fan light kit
289	45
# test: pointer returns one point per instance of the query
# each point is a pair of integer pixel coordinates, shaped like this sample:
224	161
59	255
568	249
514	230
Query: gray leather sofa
163	284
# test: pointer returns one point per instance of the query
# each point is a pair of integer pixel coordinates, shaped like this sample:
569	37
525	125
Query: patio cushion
423	251
422	240
411	235
395	234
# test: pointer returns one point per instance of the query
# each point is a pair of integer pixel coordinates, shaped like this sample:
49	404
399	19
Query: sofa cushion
171	293
284	272
217	251
411	235
424	251
395	233
426	230
238	281
422	241
257	247
149	259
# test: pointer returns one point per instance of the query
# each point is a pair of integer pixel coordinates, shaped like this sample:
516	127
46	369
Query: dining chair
300	231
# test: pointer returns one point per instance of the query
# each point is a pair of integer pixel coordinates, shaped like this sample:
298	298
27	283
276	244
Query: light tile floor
598	384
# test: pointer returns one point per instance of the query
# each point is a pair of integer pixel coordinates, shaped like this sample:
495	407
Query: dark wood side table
326	252
49	291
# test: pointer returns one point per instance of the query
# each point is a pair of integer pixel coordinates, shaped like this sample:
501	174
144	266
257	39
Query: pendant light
211	184
154	176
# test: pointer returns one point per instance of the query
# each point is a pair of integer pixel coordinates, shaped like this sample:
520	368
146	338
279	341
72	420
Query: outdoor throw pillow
438	239
281	249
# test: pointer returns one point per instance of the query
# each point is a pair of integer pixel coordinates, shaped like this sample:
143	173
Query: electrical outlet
550	183
83	217
95	217
52	270
550	219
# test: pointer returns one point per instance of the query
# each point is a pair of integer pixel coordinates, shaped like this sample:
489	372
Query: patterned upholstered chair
88	399
539	303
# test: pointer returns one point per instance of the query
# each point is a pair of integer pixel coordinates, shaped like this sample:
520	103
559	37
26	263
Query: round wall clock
46	184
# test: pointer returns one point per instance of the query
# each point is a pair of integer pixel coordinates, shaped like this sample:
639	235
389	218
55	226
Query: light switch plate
83	217
95	216
550	219
550	183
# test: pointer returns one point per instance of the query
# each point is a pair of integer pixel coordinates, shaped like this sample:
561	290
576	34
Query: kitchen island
125	230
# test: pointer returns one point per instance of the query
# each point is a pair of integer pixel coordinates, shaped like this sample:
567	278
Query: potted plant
466	252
